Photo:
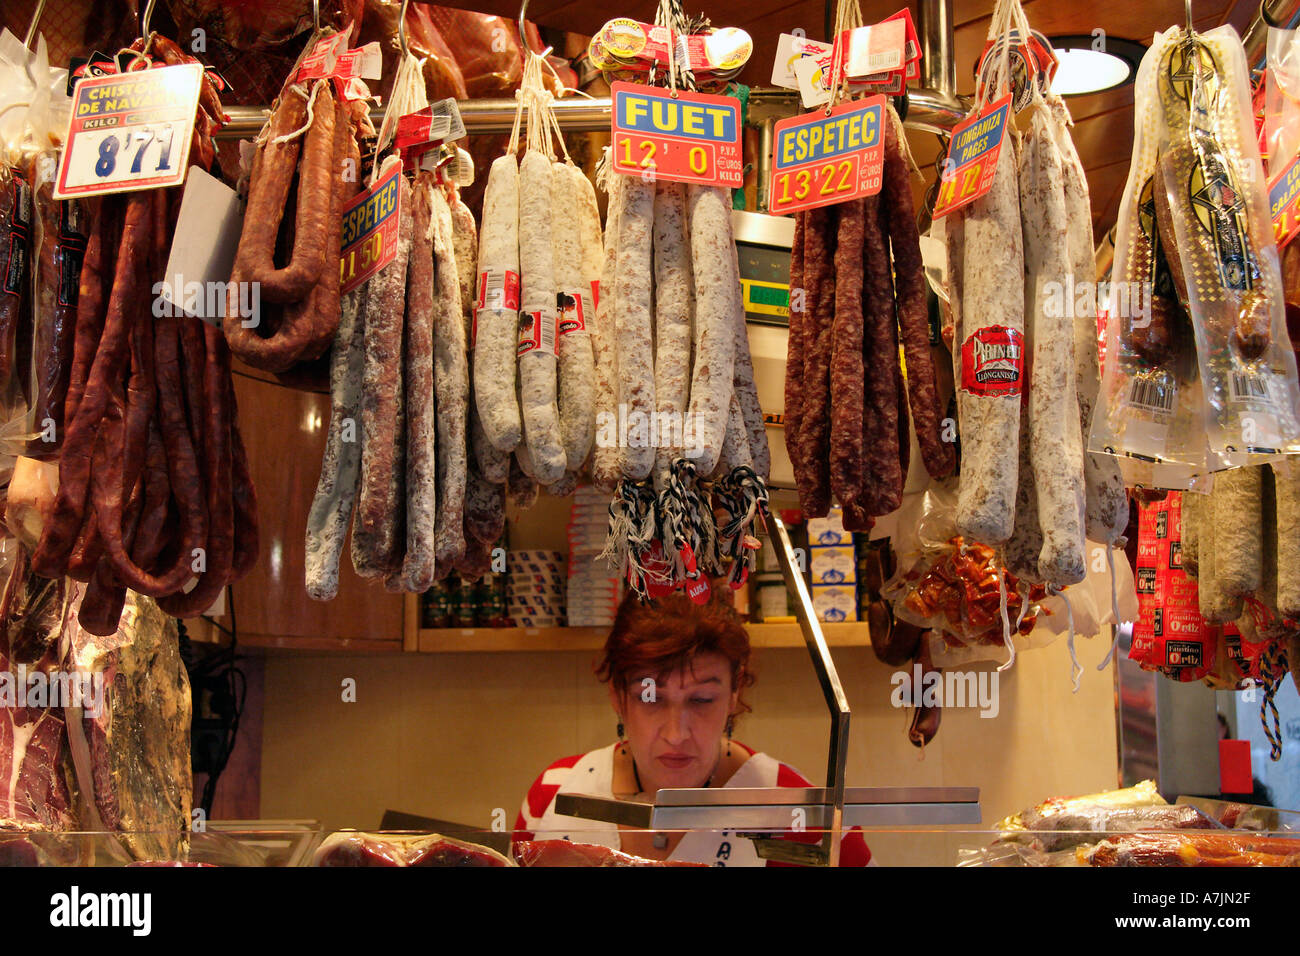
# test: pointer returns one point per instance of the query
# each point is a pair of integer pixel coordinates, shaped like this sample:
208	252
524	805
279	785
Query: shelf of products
772	636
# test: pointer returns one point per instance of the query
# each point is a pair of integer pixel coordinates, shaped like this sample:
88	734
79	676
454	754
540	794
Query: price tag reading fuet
820	159
1284	203
129	131
690	138
370	231
972	160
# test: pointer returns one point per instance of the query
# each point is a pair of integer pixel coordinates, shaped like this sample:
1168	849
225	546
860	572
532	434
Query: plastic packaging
1149	409
1222	255
950	585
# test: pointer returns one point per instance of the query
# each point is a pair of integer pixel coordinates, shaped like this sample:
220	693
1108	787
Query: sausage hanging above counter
154	489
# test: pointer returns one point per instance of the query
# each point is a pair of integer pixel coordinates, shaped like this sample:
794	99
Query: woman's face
675	724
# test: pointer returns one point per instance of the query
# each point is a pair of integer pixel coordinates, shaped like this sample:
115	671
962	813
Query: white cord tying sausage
537	359
496	335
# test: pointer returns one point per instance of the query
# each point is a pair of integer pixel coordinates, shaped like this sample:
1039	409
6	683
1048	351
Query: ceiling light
1090	65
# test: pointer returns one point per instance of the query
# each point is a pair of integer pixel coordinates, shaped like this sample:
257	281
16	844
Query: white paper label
789	50
203	249
813	74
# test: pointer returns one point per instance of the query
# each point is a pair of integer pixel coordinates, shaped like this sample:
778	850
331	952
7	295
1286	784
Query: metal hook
523	36
401	30
31	28
1187	4
144	21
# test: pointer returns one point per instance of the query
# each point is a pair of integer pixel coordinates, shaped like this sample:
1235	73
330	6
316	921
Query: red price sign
370	224
972	159
1284	203
689	138
820	159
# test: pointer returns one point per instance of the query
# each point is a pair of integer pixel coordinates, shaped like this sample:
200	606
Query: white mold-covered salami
712	378
746	388
465	243
485	508
451	387
493	463
577	364
376	527
1217	604
1286	479
1238	530
1106	501
633	325
673	298
336	490
735	443
1023	548
565	486
1056	447
421	425
991	315
605	460
538	362
497	321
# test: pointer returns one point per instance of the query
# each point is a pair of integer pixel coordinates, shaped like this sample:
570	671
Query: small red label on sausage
498	289
572	312
537	331
993	361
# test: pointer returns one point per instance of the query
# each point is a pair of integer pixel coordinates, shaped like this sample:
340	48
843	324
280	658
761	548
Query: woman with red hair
677	672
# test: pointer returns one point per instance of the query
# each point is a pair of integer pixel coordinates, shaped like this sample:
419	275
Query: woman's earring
620	732
731	723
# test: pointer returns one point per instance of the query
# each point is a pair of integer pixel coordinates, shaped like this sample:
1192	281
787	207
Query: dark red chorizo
899	221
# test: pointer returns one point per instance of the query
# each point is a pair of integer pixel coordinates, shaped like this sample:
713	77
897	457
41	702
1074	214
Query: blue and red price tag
370	231
972	160
820	159
129	131
1284	203
687	138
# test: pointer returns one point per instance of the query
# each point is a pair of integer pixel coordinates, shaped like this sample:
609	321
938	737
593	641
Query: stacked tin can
535	588
593	590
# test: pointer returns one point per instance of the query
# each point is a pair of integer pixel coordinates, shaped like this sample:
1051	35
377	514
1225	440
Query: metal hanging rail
927	109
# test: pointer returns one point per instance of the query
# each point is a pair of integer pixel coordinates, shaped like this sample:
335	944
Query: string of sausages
674	365
154	489
857	288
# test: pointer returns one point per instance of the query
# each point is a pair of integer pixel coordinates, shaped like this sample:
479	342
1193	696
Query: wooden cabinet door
284	430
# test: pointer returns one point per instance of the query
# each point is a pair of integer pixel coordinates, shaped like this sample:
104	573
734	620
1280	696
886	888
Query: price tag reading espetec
690	138
820	159
129	131
1284	203
972	160
370	231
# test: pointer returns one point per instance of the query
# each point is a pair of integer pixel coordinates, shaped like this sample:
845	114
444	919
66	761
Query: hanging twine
743	497
1273	670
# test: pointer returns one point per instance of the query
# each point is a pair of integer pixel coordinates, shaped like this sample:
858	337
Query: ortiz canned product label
993	361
